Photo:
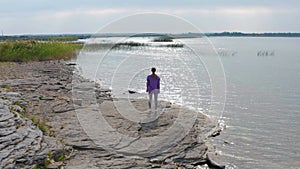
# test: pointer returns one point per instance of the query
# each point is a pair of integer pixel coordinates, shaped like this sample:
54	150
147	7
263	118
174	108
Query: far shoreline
75	36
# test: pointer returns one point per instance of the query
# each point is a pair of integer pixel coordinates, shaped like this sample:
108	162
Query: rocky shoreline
39	125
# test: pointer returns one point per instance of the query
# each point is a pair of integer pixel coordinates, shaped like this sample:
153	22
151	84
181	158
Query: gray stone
23	145
77	102
12	94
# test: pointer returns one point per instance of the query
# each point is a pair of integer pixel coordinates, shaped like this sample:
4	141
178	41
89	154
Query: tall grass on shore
23	51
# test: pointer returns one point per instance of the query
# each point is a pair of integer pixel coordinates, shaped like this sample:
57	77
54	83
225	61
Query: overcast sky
79	16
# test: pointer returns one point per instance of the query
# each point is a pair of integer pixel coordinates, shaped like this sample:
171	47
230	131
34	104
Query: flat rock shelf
43	90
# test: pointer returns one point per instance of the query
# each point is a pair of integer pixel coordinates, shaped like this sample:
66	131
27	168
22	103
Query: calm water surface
263	102
262	109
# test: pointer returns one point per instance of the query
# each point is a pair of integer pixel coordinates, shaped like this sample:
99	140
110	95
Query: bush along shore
40	128
23	51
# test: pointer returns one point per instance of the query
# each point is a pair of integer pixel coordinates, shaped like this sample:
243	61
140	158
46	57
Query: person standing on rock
153	87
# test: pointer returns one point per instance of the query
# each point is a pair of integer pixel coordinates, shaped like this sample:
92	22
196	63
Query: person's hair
153	70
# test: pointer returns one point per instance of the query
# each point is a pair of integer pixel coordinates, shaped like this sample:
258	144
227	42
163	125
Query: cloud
89	19
102	12
90	12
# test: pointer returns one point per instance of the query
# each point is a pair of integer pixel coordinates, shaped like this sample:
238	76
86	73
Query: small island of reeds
163	39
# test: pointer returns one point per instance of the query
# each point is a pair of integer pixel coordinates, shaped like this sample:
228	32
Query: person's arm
158	85
147	84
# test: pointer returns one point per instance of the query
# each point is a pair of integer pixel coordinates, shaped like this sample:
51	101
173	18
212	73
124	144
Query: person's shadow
152	121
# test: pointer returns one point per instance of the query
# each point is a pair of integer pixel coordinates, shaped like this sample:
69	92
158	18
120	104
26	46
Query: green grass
60	157
7	87
20	104
4	86
53	157
42	126
24	51
46	129
39	167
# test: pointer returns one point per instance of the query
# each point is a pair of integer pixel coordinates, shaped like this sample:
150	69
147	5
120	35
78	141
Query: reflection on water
184	79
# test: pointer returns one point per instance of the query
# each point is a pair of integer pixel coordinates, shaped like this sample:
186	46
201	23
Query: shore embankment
40	125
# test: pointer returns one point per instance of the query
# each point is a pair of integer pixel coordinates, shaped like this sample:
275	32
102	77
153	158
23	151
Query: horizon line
205	33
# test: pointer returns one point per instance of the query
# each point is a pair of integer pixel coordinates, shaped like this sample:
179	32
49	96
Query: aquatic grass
173	45
163	39
106	46
24	51
130	44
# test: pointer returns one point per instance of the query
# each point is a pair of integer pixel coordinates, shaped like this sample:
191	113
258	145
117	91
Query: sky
18	17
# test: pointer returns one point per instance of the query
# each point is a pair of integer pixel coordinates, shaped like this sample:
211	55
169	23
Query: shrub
23	51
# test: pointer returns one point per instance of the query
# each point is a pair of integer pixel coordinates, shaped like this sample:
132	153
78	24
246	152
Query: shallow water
263	96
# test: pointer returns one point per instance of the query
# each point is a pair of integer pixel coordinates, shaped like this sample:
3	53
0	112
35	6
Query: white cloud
236	18
90	12
178	11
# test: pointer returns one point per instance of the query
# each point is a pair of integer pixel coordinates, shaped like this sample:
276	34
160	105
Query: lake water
263	102
262	75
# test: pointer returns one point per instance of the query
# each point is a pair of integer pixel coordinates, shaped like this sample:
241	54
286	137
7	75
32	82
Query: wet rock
131	91
212	161
71	64
228	142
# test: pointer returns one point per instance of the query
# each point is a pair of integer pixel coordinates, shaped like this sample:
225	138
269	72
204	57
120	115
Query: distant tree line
240	34
74	37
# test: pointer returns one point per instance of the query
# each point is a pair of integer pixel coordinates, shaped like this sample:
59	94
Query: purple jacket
152	83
